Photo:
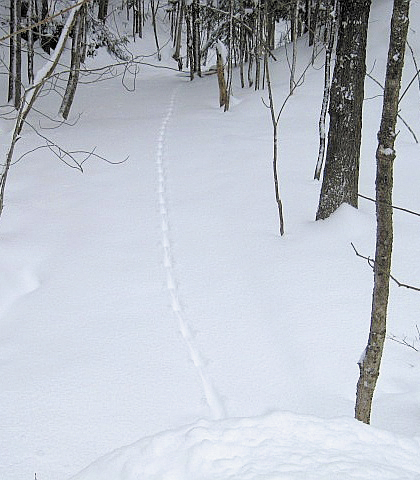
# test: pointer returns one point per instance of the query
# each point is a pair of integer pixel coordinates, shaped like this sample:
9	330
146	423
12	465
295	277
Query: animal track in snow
213	398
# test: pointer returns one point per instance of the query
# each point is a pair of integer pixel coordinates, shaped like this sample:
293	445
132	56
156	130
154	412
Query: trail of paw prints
213	398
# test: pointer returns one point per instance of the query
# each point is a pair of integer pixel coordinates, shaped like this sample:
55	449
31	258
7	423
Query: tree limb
371	263
392	206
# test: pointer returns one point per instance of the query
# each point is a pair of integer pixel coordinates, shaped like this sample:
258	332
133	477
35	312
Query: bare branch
403	341
399	116
371	263
412	212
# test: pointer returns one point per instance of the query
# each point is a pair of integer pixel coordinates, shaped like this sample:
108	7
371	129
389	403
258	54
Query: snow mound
272	447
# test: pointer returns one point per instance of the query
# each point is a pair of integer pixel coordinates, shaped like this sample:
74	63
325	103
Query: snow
273	447
155	300
388	152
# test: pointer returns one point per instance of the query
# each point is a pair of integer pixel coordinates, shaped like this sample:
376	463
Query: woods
48	44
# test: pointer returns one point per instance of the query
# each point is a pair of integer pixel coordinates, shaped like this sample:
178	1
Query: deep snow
142	297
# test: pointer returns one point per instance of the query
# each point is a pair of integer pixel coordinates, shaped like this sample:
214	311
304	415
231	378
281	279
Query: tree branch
371	263
392	206
399	116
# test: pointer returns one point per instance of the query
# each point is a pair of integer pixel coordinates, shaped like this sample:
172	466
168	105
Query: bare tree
330	33
370	362
15	54
32	93
76	59
275	122
294	22
31	16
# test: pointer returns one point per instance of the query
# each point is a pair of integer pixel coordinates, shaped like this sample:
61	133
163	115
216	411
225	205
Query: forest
208	213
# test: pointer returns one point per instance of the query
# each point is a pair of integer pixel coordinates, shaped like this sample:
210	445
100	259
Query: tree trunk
30	20
76	56
103	10
385	154
221	79
15	54
178	34
294	23
313	22
331	29
11	88
341	173
275	122
154	12
45	37
195	10
229	59
190	58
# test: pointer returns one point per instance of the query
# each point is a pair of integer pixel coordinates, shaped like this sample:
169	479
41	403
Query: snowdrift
271	447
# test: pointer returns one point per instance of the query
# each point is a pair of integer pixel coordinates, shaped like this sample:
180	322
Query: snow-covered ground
155	299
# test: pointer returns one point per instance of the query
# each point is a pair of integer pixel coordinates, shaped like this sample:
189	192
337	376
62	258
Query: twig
392	206
371	263
399	116
403	342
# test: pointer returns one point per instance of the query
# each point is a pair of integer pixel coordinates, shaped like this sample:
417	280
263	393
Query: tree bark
15	54
221	79
30	20
294	23
103	10
195	11
341	173
331	29
313	22
76	57
45	37
178	34
385	154
275	122
154	13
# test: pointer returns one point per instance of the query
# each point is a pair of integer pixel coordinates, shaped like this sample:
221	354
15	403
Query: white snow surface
155	299
277	446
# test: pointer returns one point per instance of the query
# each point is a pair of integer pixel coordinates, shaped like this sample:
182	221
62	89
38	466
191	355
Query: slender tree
370	362
76	59
330	32
341	173
294	9
30	39
15	54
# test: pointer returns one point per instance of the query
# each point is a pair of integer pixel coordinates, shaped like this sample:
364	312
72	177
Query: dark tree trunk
15	54
313	22
190	56
45	37
103	10
341	173
11	88
30	20
385	154
154	13
196	37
